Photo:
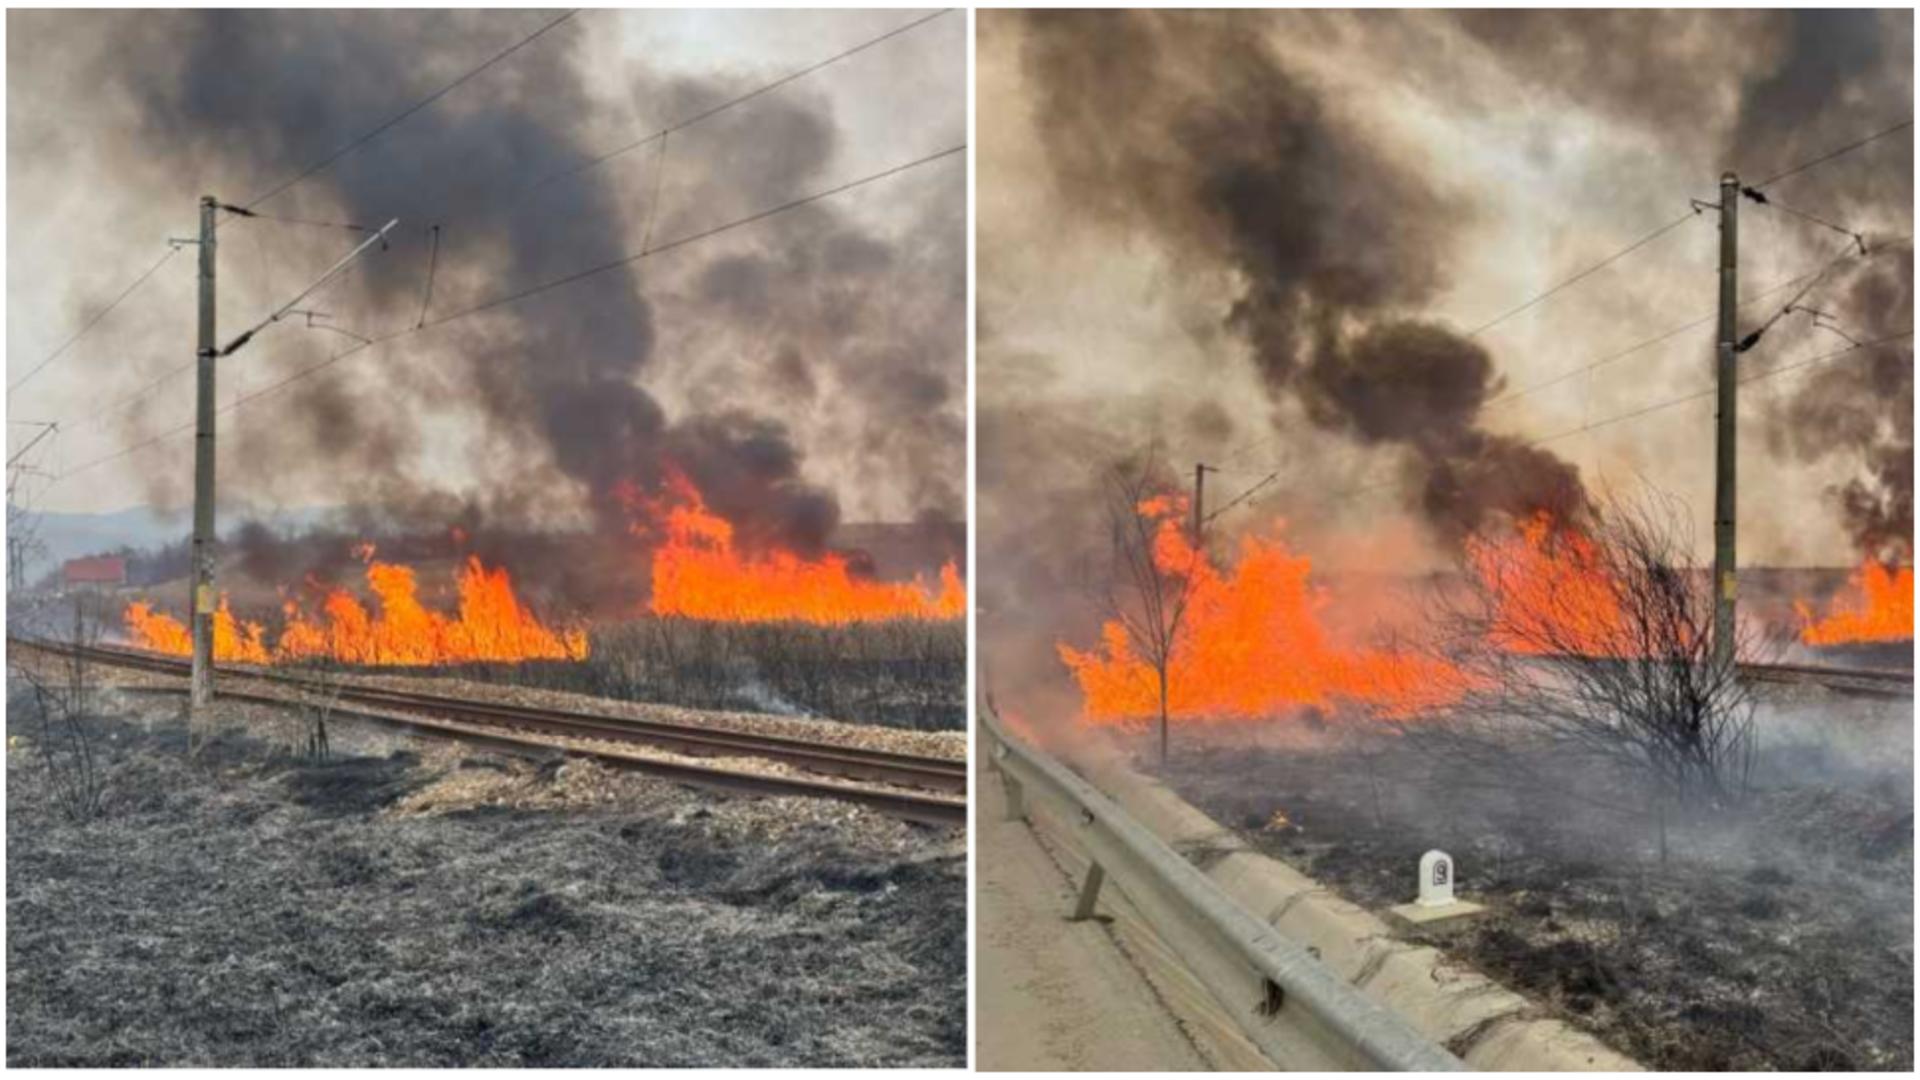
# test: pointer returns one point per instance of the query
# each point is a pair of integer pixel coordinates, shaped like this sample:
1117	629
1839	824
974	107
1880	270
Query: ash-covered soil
1778	936
408	904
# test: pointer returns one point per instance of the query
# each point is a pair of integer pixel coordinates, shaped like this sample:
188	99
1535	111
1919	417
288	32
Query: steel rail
942	776
1865	681
1277	991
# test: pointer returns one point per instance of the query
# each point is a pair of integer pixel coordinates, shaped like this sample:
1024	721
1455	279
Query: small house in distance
98	571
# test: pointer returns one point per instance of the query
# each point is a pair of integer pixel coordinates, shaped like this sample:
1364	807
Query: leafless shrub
1150	601
66	689
1606	661
324	680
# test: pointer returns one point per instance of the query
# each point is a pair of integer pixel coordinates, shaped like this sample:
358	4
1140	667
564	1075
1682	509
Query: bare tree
65	691
1148	585
1593	645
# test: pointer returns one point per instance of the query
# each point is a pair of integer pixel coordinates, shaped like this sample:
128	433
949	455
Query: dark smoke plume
1859	407
239	100
1806	81
1186	127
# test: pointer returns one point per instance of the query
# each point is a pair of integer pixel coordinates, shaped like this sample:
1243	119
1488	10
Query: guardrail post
1089	892
1016	796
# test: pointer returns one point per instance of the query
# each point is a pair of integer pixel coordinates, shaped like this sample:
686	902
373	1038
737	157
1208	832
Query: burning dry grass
698	573
1877	606
1247	639
491	624
253	909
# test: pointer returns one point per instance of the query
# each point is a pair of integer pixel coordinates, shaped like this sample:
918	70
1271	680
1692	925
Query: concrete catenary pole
1726	418
202	599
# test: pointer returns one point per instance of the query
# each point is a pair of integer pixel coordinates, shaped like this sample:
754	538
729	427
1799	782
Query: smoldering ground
400	906
1775	935
549	398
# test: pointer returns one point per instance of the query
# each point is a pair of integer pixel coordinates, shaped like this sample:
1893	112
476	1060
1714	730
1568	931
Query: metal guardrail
1279	994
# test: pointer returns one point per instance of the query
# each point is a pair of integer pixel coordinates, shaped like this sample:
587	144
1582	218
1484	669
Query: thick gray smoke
1806	81
1859	408
241	99
1221	153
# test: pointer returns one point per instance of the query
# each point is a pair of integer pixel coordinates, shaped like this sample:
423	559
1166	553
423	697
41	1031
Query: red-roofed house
98	570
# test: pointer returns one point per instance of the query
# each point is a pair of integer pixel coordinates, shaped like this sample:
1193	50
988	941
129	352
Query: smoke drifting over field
831	336
1235	163
1298	224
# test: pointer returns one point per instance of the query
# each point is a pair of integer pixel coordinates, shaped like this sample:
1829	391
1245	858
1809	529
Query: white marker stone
1435	903
1436	880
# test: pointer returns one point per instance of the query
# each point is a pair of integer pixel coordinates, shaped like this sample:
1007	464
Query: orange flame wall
1251	643
697	573
492	625
1878	607
1553	589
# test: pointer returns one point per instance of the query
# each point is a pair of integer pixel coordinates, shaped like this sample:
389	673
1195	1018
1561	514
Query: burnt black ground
1776	937
253	909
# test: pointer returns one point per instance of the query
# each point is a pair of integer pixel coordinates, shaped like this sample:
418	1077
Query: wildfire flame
1878	606
698	573
1553	589
491	625
1250	644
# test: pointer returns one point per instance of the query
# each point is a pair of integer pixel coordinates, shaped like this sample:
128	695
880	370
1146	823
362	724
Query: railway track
920	788
1863	681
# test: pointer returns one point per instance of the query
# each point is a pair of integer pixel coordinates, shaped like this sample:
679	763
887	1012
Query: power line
1811	275
1832	154
291	181
95	321
767	88
628	260
1584	274
548	286
403	114
1676	223
1769	373
1242	497
1780	369
523	190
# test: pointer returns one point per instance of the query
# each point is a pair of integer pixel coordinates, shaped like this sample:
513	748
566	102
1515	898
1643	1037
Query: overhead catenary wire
1778	369
95	320
1584	274
1833	154
400	117
766	88
661	134
1663	230
1344	494
1242	497
289	183
496	302
1666	335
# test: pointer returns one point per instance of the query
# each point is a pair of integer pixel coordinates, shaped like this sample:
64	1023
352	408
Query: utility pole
203	487
1726	384
1200	472
202	576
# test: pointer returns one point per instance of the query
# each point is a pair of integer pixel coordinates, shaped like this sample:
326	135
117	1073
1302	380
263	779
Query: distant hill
71	536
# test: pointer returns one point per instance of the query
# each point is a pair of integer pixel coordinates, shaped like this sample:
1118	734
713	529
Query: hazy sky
843	323
1440	168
